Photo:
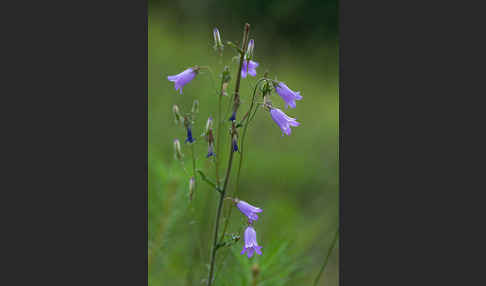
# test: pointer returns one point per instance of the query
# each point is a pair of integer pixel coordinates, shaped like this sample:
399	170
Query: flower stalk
230	160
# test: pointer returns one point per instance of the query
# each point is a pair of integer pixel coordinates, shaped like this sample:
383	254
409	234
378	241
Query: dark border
78	165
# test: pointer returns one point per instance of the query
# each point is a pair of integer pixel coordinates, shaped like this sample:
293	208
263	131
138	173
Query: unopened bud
235	143
209	125
218	44
249	51
177	150
195	106
177	114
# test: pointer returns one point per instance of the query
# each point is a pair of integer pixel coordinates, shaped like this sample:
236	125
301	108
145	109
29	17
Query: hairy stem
326	258
230	160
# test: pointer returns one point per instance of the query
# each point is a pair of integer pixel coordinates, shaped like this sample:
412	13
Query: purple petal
297	95
258	250
250	252
243	251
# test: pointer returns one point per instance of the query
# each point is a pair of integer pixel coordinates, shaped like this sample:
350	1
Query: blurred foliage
293	178
297	20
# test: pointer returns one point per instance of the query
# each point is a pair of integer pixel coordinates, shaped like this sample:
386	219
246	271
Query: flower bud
234	143
177	114
249	51
218	44
195	106
209	125
177	150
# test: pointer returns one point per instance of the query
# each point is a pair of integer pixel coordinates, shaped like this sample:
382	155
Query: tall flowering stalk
264	87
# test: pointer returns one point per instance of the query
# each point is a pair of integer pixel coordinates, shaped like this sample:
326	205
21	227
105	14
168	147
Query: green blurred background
293	178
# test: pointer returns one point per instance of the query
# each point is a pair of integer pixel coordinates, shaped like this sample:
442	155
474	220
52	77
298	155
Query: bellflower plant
287	94
183	78
251	244
236	135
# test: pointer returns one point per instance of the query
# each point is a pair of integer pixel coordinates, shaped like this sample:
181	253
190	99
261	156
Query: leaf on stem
207	180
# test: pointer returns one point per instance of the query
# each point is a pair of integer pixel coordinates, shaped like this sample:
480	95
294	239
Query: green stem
326	258
218	215
230	160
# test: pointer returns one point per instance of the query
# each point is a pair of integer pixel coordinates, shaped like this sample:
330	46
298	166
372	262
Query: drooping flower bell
251	245
283	121
183	78
248	210
288	95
